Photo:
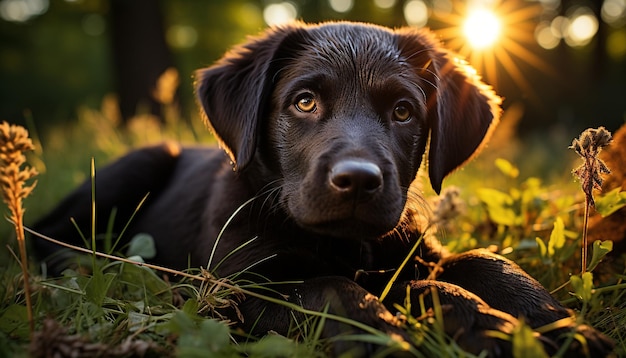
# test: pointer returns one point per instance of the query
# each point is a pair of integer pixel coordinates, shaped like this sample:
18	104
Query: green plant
539	227
14	141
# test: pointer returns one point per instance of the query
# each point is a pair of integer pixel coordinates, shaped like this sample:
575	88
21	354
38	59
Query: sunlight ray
516	74
516	21
491	66
527	56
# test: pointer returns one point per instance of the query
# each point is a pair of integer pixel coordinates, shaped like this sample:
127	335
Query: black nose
356	177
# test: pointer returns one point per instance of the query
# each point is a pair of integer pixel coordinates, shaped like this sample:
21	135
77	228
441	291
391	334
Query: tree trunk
140	54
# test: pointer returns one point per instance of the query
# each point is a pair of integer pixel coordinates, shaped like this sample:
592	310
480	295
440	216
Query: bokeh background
93	79
560	64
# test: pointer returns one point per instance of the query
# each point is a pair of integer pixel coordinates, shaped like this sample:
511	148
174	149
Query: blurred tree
68	55
140	54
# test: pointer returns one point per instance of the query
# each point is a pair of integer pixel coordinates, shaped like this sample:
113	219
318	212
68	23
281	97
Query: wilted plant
14	141
589	145
447	206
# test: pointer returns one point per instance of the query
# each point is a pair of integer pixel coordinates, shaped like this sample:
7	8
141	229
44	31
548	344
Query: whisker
432	84
418	52
420	88
433	73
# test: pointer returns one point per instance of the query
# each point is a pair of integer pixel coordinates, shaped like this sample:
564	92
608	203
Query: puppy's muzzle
357	179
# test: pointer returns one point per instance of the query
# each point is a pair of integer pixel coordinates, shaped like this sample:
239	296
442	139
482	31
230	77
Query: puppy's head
341	114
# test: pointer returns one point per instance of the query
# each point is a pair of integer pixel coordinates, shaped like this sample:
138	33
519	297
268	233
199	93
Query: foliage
610	202
126	309
540	227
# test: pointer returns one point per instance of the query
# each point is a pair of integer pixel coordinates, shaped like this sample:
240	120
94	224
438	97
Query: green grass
530	216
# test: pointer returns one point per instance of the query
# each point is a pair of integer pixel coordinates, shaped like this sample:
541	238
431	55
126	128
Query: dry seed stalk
589	145
14	141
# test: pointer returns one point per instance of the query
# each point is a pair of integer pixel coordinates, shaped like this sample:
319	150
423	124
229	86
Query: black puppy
326	127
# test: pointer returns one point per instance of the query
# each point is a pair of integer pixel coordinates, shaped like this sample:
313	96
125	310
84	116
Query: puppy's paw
354	322
479	328
467	319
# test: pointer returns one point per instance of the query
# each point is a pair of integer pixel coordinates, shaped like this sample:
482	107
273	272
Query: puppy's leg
121	185
335	295
503	285
466	317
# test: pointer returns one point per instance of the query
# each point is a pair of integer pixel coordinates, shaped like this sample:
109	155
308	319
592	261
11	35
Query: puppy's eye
401	113
306	104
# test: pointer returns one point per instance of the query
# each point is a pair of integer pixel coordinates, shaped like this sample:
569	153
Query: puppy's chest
362	262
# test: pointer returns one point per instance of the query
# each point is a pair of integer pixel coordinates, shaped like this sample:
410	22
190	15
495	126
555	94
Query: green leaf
138	321
216	334
543	250
507	168
210	339
14	321
599	250
583	286
525	344
9	345
499	206
142	245
191	307
145	280
557	237
273	345
98	286
610	202
531	195
181	322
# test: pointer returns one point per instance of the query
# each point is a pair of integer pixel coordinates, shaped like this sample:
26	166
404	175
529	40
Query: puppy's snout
356	177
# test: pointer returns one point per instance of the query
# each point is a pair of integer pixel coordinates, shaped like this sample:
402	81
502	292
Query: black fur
331	185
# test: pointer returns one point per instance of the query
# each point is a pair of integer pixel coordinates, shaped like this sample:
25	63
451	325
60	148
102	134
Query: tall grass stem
19	231
583	267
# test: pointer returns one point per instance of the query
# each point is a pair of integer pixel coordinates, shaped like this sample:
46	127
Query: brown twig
121	259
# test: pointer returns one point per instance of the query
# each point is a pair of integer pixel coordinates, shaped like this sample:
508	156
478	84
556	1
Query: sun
494	37
481	28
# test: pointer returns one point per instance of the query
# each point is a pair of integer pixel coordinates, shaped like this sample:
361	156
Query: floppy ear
462	110
233	93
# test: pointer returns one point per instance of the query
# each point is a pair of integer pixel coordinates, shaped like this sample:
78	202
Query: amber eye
401	113
306	104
